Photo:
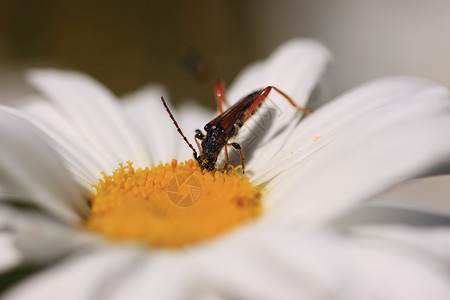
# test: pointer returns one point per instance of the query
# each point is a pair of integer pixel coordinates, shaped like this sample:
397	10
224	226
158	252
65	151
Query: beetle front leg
238	147
227	159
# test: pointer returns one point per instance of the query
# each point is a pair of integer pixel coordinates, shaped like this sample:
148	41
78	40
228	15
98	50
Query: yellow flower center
171	205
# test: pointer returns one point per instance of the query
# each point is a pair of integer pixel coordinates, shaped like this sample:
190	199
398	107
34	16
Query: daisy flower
101	198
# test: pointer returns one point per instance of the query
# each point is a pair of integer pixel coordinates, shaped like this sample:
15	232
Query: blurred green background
186	44
125	44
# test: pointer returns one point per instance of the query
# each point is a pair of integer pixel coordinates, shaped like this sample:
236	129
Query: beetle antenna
178	127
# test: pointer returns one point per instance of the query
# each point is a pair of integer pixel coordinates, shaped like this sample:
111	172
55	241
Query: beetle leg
300	108
219	92
237	147
263	95
227	159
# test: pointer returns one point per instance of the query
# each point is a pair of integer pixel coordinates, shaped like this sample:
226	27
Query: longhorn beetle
226	125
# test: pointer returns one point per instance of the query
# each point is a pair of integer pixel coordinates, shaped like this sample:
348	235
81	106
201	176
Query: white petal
319	128
396	274
87	276
148	114
55	239
85	162
399	140
296	68
10	256
377	212
250	266
163	276
30	170
429	194
293	265
434	241
95	112
268	264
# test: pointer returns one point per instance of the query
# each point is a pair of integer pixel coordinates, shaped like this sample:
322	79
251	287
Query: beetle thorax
214	141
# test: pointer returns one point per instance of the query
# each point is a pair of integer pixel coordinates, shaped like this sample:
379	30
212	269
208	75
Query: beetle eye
207	127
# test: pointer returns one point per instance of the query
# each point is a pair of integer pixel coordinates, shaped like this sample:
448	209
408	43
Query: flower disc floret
171	205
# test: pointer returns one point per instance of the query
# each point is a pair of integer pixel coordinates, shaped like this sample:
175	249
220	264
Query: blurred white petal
147	113
81	158
434	241
30	170
379	212
93	273
39	238
274	264
434	188
295	67
161	276
82	98
10	256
